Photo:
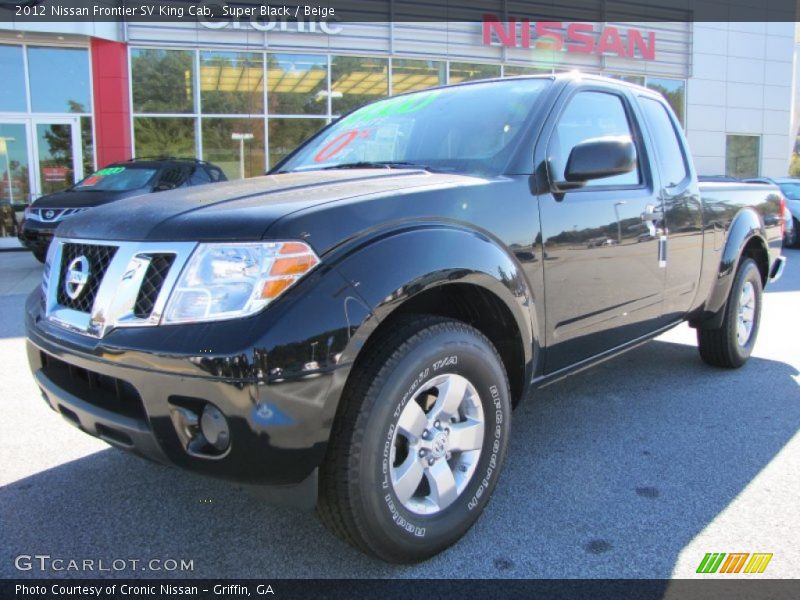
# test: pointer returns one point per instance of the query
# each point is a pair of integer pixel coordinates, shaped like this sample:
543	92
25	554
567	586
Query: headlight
226	281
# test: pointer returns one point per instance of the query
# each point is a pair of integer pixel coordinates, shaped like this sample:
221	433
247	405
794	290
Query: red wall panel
112	111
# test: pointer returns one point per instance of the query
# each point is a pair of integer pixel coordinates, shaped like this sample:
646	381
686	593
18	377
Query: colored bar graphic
712	562
758	563
734	562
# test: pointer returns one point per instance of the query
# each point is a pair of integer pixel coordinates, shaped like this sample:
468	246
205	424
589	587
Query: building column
112	111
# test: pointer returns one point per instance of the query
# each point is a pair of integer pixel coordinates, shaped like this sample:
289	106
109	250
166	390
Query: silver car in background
790	187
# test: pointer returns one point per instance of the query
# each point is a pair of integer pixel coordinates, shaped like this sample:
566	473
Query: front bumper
36	235
125	387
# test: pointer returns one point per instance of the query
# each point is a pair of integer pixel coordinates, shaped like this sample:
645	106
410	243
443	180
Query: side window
199	177
216	174
590	115
668	149
174	177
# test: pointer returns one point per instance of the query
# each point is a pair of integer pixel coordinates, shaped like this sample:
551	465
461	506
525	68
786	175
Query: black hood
84	199
238	210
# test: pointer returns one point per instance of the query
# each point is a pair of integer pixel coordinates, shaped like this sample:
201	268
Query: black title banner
387	589
221	11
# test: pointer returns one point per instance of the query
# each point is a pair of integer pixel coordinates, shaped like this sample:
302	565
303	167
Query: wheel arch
746	239
450	272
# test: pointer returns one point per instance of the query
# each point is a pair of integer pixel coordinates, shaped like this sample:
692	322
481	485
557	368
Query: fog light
214	427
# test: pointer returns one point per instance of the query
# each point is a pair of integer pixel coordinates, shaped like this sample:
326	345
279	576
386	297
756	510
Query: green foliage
741	156
674	97
162	81
248	98
164	137
794	165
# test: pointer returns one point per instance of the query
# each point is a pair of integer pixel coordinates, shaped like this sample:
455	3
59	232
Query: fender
395	265
745	226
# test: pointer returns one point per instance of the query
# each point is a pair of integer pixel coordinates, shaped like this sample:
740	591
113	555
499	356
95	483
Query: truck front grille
99	258
157	272
124	284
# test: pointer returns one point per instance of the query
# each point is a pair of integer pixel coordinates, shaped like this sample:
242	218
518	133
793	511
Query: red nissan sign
570	37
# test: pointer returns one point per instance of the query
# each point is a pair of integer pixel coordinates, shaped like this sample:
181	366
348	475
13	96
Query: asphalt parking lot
636	468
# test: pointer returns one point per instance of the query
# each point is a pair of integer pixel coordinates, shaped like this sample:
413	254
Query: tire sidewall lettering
450	362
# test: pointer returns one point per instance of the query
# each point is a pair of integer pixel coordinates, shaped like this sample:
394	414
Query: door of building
38	155
58	163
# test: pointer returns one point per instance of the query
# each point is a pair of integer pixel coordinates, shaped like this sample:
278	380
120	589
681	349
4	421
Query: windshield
791	190
116	179
467	128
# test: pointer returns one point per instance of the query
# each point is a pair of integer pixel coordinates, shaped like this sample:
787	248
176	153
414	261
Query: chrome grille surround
115	301
53	215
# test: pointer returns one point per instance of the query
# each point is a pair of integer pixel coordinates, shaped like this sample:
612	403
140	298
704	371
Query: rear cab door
604	280
682	206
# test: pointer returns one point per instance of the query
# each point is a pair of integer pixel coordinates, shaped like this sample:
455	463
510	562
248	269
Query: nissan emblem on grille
77	277
49	214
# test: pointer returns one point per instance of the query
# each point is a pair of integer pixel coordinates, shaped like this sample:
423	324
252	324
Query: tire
794	239
40	255
728	346
364	495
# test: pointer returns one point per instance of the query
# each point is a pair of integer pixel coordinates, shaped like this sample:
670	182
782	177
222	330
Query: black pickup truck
356	326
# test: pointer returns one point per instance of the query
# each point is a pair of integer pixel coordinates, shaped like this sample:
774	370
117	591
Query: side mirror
598	158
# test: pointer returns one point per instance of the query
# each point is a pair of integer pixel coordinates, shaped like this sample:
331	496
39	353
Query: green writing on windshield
109	171
402	105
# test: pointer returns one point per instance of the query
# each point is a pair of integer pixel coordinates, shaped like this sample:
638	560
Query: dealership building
76	96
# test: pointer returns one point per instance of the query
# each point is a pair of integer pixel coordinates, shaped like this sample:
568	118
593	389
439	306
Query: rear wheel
417	449
731	344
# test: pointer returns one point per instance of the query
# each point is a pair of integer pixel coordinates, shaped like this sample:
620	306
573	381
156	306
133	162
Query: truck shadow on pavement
610	474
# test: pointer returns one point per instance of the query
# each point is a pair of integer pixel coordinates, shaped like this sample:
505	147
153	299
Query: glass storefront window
286	134
412	75
356	81
231	155
231	83
87	145
637	79
516	70
297	84
742	153
162	80
12	74
164	136
14	165
471	71
54	143
674	90
59	80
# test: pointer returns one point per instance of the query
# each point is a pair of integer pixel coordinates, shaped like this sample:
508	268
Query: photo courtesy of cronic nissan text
390	298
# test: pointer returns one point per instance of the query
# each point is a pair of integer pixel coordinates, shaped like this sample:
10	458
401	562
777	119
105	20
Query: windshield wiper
366	164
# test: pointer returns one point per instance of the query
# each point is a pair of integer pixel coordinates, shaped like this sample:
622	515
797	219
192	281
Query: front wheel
417	449
731	344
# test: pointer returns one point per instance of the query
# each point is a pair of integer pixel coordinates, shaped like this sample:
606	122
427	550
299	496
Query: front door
38	156
57	154
604	280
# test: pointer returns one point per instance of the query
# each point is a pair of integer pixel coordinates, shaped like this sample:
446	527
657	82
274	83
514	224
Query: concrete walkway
20	272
